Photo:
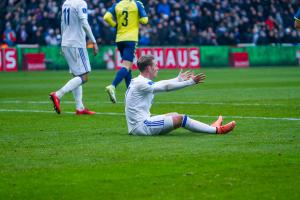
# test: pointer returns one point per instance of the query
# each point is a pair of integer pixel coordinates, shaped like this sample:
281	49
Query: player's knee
84	78
172	114
177	120
127	64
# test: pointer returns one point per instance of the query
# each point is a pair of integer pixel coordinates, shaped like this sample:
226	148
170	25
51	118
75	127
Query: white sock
70	85
197	126
77	93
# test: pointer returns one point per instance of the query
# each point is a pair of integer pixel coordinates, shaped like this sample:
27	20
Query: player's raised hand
199	78
184	76
95	49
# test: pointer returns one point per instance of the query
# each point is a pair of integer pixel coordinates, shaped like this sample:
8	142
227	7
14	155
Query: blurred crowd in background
181	22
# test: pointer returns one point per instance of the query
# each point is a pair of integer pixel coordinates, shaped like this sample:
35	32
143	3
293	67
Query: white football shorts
77	59
156	125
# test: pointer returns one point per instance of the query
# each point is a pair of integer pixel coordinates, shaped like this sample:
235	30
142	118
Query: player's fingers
187	72
200	78
201	75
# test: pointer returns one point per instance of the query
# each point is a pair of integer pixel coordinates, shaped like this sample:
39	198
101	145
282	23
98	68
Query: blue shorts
127	50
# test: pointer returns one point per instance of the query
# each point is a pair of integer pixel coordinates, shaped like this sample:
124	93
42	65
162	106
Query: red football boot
56	102
226	128
218	122
85	112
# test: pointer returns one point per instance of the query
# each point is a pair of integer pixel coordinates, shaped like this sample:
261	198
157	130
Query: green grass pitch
48	156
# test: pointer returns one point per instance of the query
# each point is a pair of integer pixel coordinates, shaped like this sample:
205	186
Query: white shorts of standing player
77	59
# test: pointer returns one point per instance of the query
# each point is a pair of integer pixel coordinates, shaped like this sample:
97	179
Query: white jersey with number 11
73	35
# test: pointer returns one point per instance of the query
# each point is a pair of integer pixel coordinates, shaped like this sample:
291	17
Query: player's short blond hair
145	61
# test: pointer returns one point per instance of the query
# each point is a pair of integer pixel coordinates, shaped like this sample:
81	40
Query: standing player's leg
127	50
128	78
69	86
77	94
79	65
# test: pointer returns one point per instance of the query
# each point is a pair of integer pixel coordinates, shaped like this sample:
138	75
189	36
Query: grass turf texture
48	156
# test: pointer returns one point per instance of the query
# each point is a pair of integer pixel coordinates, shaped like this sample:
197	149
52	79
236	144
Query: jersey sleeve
146	87
297	15
142	12
110	15
112	10
82	10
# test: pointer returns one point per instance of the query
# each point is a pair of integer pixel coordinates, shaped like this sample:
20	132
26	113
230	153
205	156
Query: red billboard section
34	61
1	64
9	59
239	59
168	58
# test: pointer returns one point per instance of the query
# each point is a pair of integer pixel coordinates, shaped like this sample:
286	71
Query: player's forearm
169	81
108	17
176	79
88	30
144	20
166	86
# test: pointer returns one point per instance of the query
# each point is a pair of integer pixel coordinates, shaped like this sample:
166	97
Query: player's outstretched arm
182	76
166	86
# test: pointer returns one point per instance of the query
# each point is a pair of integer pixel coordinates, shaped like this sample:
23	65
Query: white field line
155	102
122	114
53	112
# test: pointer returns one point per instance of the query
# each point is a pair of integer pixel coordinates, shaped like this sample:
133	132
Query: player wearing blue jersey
297	19
125	15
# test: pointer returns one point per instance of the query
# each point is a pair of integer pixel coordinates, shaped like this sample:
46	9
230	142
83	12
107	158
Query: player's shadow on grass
183	133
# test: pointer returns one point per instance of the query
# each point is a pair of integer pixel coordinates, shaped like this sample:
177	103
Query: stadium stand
182	22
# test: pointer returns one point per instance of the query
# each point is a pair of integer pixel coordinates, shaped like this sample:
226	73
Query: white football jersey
138	101
73	35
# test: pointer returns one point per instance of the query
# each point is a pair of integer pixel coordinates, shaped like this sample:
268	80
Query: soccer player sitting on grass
139	97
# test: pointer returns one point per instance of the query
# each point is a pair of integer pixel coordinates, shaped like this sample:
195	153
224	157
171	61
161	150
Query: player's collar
143	77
